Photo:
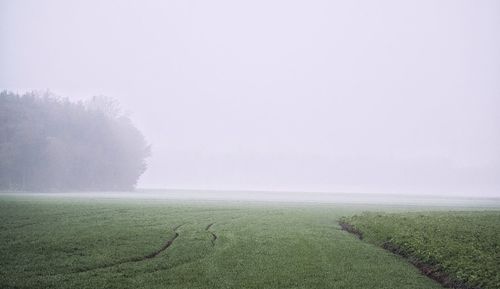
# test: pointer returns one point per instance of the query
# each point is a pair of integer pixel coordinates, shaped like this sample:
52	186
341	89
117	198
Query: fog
234	197
396	97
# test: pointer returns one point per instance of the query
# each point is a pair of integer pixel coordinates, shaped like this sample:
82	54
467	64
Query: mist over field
250	144
387	96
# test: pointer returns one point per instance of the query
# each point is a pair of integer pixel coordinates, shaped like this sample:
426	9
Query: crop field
79	243
457	248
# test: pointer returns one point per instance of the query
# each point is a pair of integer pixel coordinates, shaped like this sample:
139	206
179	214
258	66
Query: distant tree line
50	143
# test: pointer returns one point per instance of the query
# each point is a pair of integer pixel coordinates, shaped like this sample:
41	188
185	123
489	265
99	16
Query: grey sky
386	96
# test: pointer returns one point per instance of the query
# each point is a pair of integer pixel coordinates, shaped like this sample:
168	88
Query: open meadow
67	242
249	144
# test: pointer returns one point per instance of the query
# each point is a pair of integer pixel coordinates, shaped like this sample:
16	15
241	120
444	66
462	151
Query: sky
328	96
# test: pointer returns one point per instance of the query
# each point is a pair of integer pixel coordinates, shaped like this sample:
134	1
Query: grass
71	243
460	248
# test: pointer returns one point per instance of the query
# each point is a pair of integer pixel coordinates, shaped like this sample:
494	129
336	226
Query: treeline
50	143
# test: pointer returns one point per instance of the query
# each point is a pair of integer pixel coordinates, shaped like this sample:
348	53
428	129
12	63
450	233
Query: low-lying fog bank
266	196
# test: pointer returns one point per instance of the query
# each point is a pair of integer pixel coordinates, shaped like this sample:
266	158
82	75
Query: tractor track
151	255
214	236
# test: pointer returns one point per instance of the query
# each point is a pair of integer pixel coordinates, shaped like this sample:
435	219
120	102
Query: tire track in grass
151	255
167	244
214	236
197	259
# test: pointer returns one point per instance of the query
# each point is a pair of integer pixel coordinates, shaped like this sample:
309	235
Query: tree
49	143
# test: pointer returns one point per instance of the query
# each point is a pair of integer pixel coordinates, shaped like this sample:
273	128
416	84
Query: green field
456	247
78	243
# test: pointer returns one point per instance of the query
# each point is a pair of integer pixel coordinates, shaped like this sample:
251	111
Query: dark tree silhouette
50	143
